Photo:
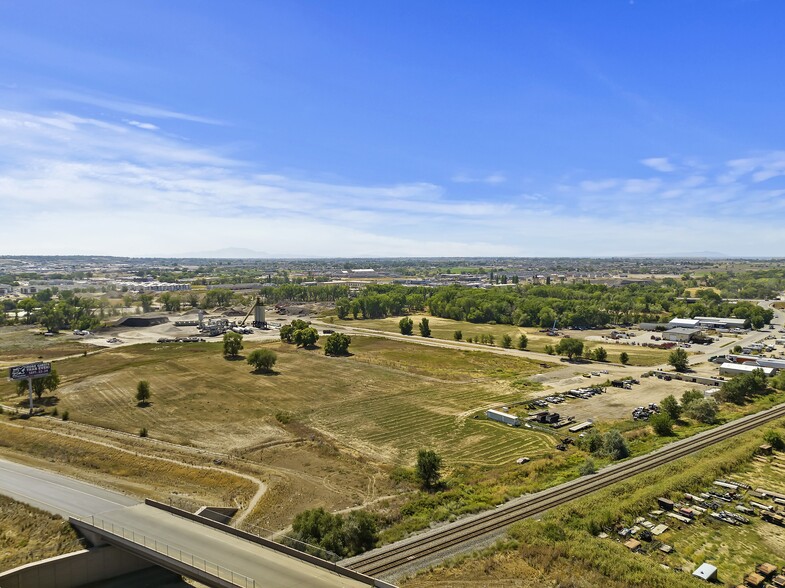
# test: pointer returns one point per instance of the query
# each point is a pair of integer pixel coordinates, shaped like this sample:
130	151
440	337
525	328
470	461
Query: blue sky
392	128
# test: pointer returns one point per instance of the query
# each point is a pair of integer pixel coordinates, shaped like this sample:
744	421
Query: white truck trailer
503	417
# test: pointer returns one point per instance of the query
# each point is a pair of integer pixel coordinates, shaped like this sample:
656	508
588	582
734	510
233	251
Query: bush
425	328
587	467
506	341
703	410
343	535
614	445
65	416
774	439
624	358
143	432
54	411
457	335
337	344
523	341
262	360
662	424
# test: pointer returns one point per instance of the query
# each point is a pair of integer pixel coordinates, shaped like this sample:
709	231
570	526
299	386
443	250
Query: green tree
737	349
428	468
670	406
570	347
741	387
233	343
343	307
591	442
549	349
360	530
425	329
262	360
523	340
406	325
288	332
703	410
624	358
506	341
690	396
306	337
146	300
355	308
599	354
614	445
337	344
457	335
678	359
662	424
48	383
143	393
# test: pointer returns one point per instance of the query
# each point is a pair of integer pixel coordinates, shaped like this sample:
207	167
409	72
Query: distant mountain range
227	253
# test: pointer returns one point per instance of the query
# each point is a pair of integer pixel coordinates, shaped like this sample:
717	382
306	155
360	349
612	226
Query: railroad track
405	553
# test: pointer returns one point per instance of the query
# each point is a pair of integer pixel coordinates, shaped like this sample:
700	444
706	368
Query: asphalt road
71	498
57	494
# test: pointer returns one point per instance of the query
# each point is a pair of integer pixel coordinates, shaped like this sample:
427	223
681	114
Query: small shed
666	548
765	449
706	572
778	581
766	570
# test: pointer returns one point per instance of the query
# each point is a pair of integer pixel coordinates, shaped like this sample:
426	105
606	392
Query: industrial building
680	334
735	369
713	322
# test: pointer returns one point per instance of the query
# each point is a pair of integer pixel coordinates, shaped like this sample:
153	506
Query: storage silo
258	315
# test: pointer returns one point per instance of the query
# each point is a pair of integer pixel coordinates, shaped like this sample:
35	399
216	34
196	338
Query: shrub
143	432
624	358
671	406
262	360
703	410
425	328
65	416
457	335
428	468
662	424
337	344
587	467
506	341
523	341
774	439
599	354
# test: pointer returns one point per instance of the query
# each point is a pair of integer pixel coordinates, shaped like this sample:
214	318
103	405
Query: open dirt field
386	400
23	344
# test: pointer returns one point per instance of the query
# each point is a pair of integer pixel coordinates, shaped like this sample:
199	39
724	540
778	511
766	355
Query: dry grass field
445	328
24	343
28	534
386	400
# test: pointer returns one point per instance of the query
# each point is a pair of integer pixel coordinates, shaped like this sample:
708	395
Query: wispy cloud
142	125
99	186
491	179
660	164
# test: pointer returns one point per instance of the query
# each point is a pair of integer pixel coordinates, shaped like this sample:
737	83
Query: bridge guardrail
175	553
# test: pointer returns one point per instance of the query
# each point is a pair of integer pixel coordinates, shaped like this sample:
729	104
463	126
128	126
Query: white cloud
660	164
142	125
491	179
105	187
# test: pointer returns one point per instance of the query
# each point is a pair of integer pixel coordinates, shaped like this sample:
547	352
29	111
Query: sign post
30	372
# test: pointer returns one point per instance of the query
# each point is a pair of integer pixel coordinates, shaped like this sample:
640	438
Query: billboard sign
38	369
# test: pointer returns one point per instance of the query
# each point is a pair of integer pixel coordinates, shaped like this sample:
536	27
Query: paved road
72	498
57	494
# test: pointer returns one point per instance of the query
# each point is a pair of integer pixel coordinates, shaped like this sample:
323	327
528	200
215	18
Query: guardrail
174	553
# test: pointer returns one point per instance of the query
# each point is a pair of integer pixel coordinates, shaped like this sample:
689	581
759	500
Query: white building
735	369
683	323
680	334
713	322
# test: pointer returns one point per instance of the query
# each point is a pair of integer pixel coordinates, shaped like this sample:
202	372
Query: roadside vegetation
28	534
